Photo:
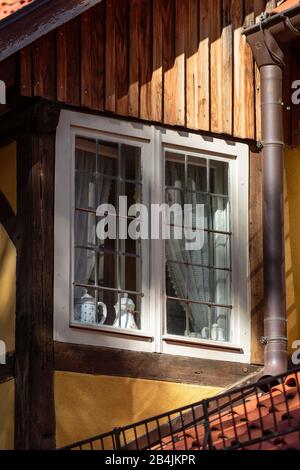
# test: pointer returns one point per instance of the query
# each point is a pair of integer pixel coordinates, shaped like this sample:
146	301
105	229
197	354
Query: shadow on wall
88	405
292	242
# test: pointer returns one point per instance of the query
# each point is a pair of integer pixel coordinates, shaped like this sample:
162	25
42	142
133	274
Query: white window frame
152	140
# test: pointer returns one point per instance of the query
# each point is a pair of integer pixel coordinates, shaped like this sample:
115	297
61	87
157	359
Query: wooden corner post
34	360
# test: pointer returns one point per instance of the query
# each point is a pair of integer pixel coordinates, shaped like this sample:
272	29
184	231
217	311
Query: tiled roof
8	7
285	5
274	413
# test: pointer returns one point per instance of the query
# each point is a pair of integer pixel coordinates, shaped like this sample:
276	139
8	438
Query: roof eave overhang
35	20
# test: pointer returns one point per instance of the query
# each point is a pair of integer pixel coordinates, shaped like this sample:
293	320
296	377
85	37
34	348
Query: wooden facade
176	62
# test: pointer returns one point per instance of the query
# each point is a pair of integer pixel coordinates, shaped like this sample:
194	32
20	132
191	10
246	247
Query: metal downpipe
275	323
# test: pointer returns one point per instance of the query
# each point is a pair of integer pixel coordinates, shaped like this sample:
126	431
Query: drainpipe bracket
265	48
269	339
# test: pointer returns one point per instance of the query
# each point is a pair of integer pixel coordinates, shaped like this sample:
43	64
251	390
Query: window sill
202	343
120	332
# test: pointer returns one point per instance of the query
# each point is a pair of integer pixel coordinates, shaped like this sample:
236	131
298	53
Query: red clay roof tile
8	7
263	415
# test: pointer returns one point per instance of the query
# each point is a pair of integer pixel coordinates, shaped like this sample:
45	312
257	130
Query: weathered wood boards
179	62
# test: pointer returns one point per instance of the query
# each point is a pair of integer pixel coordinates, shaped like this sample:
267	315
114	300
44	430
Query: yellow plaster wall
7	394
8	176
292	242
87	405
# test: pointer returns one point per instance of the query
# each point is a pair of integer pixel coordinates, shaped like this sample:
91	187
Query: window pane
195	199
108	158
130	268
220	248
219	172
176	280
106	191
220	214
107	270
197	284
84	269
197	174
85	190
85	229
85	156
221	320
176	318
221	282
132	191
198	321
175	170
131	162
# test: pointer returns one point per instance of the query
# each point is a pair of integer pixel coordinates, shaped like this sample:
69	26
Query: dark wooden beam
7	370
34	354
36	20
152	366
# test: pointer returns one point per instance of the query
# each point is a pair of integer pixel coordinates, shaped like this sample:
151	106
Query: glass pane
176	280
221	321
106	191
107	270
85	190
130	273
175	250
219	174
131	163
198	321
176	318
175	170
85	229
201	256
195	199
132	191
84	269
108	158
221	282
197	174
220	247
85	155
220	214
197	283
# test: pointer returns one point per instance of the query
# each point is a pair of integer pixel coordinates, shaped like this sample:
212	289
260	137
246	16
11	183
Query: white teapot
86	310
124	309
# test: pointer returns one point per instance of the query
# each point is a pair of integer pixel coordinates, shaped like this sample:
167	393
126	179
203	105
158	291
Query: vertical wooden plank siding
243	99
204	67
256	256
169	74
68	63
157	68
145	48
44	82
227	68
122	59
110	58
177	62
134	66
92	58
192	83
215	65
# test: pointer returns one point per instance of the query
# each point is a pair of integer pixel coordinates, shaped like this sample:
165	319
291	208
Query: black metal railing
235	419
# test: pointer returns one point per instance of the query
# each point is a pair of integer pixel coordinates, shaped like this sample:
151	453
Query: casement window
150	294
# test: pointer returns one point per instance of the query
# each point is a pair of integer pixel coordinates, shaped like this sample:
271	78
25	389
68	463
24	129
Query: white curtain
85	228
190	280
